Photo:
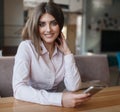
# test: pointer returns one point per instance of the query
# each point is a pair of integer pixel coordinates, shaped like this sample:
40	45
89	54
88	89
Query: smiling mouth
49	35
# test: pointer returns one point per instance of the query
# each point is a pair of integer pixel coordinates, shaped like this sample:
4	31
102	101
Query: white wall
74	5
13	21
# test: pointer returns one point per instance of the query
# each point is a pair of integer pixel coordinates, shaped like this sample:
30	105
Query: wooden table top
107	100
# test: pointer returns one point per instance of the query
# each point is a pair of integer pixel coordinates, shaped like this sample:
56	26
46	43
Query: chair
93	67
6	73
118	60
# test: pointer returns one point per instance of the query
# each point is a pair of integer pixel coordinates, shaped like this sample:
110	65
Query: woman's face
48	28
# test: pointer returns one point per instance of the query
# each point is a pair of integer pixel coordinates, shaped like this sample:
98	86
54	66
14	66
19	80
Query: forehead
47	17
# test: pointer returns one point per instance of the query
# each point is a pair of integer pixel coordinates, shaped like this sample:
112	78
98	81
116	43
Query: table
107	100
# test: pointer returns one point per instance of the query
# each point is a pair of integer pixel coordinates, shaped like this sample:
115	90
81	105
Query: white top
37	80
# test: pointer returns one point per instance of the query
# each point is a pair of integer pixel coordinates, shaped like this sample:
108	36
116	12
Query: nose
48	28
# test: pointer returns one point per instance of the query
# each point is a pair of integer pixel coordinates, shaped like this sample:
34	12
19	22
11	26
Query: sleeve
22	89
72	78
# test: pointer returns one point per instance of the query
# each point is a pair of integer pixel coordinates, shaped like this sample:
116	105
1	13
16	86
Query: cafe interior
92	31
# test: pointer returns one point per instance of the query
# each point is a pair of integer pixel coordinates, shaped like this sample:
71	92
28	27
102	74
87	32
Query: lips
49	35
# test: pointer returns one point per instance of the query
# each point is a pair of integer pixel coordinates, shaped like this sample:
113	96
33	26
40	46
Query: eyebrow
49	21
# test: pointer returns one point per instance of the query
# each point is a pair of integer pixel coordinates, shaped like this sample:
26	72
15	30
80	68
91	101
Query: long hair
31	28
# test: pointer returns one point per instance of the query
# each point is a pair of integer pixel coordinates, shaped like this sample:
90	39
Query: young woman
43	61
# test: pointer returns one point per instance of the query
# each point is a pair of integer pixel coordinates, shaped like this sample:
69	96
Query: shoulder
25	46
25	42
24	49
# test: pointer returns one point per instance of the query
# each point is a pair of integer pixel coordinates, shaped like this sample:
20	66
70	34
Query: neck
50	48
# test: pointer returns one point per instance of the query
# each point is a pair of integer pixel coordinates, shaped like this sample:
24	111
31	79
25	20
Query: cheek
40	30
41	33
57	31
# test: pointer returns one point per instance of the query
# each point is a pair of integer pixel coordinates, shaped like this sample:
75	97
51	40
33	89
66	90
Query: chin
50	41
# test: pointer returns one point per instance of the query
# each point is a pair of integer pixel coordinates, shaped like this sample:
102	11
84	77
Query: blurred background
91	26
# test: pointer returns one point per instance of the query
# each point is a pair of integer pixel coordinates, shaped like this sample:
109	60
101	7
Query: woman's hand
70	99
63	47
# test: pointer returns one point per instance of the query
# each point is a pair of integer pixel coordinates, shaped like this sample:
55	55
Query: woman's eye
54	23
41	24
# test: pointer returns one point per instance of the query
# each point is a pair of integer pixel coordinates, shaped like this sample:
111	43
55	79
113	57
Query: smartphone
93	90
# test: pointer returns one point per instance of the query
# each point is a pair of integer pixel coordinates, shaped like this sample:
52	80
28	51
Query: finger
79	102
82	96
82	99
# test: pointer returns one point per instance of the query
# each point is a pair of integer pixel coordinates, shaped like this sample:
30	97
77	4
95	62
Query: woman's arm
72	78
